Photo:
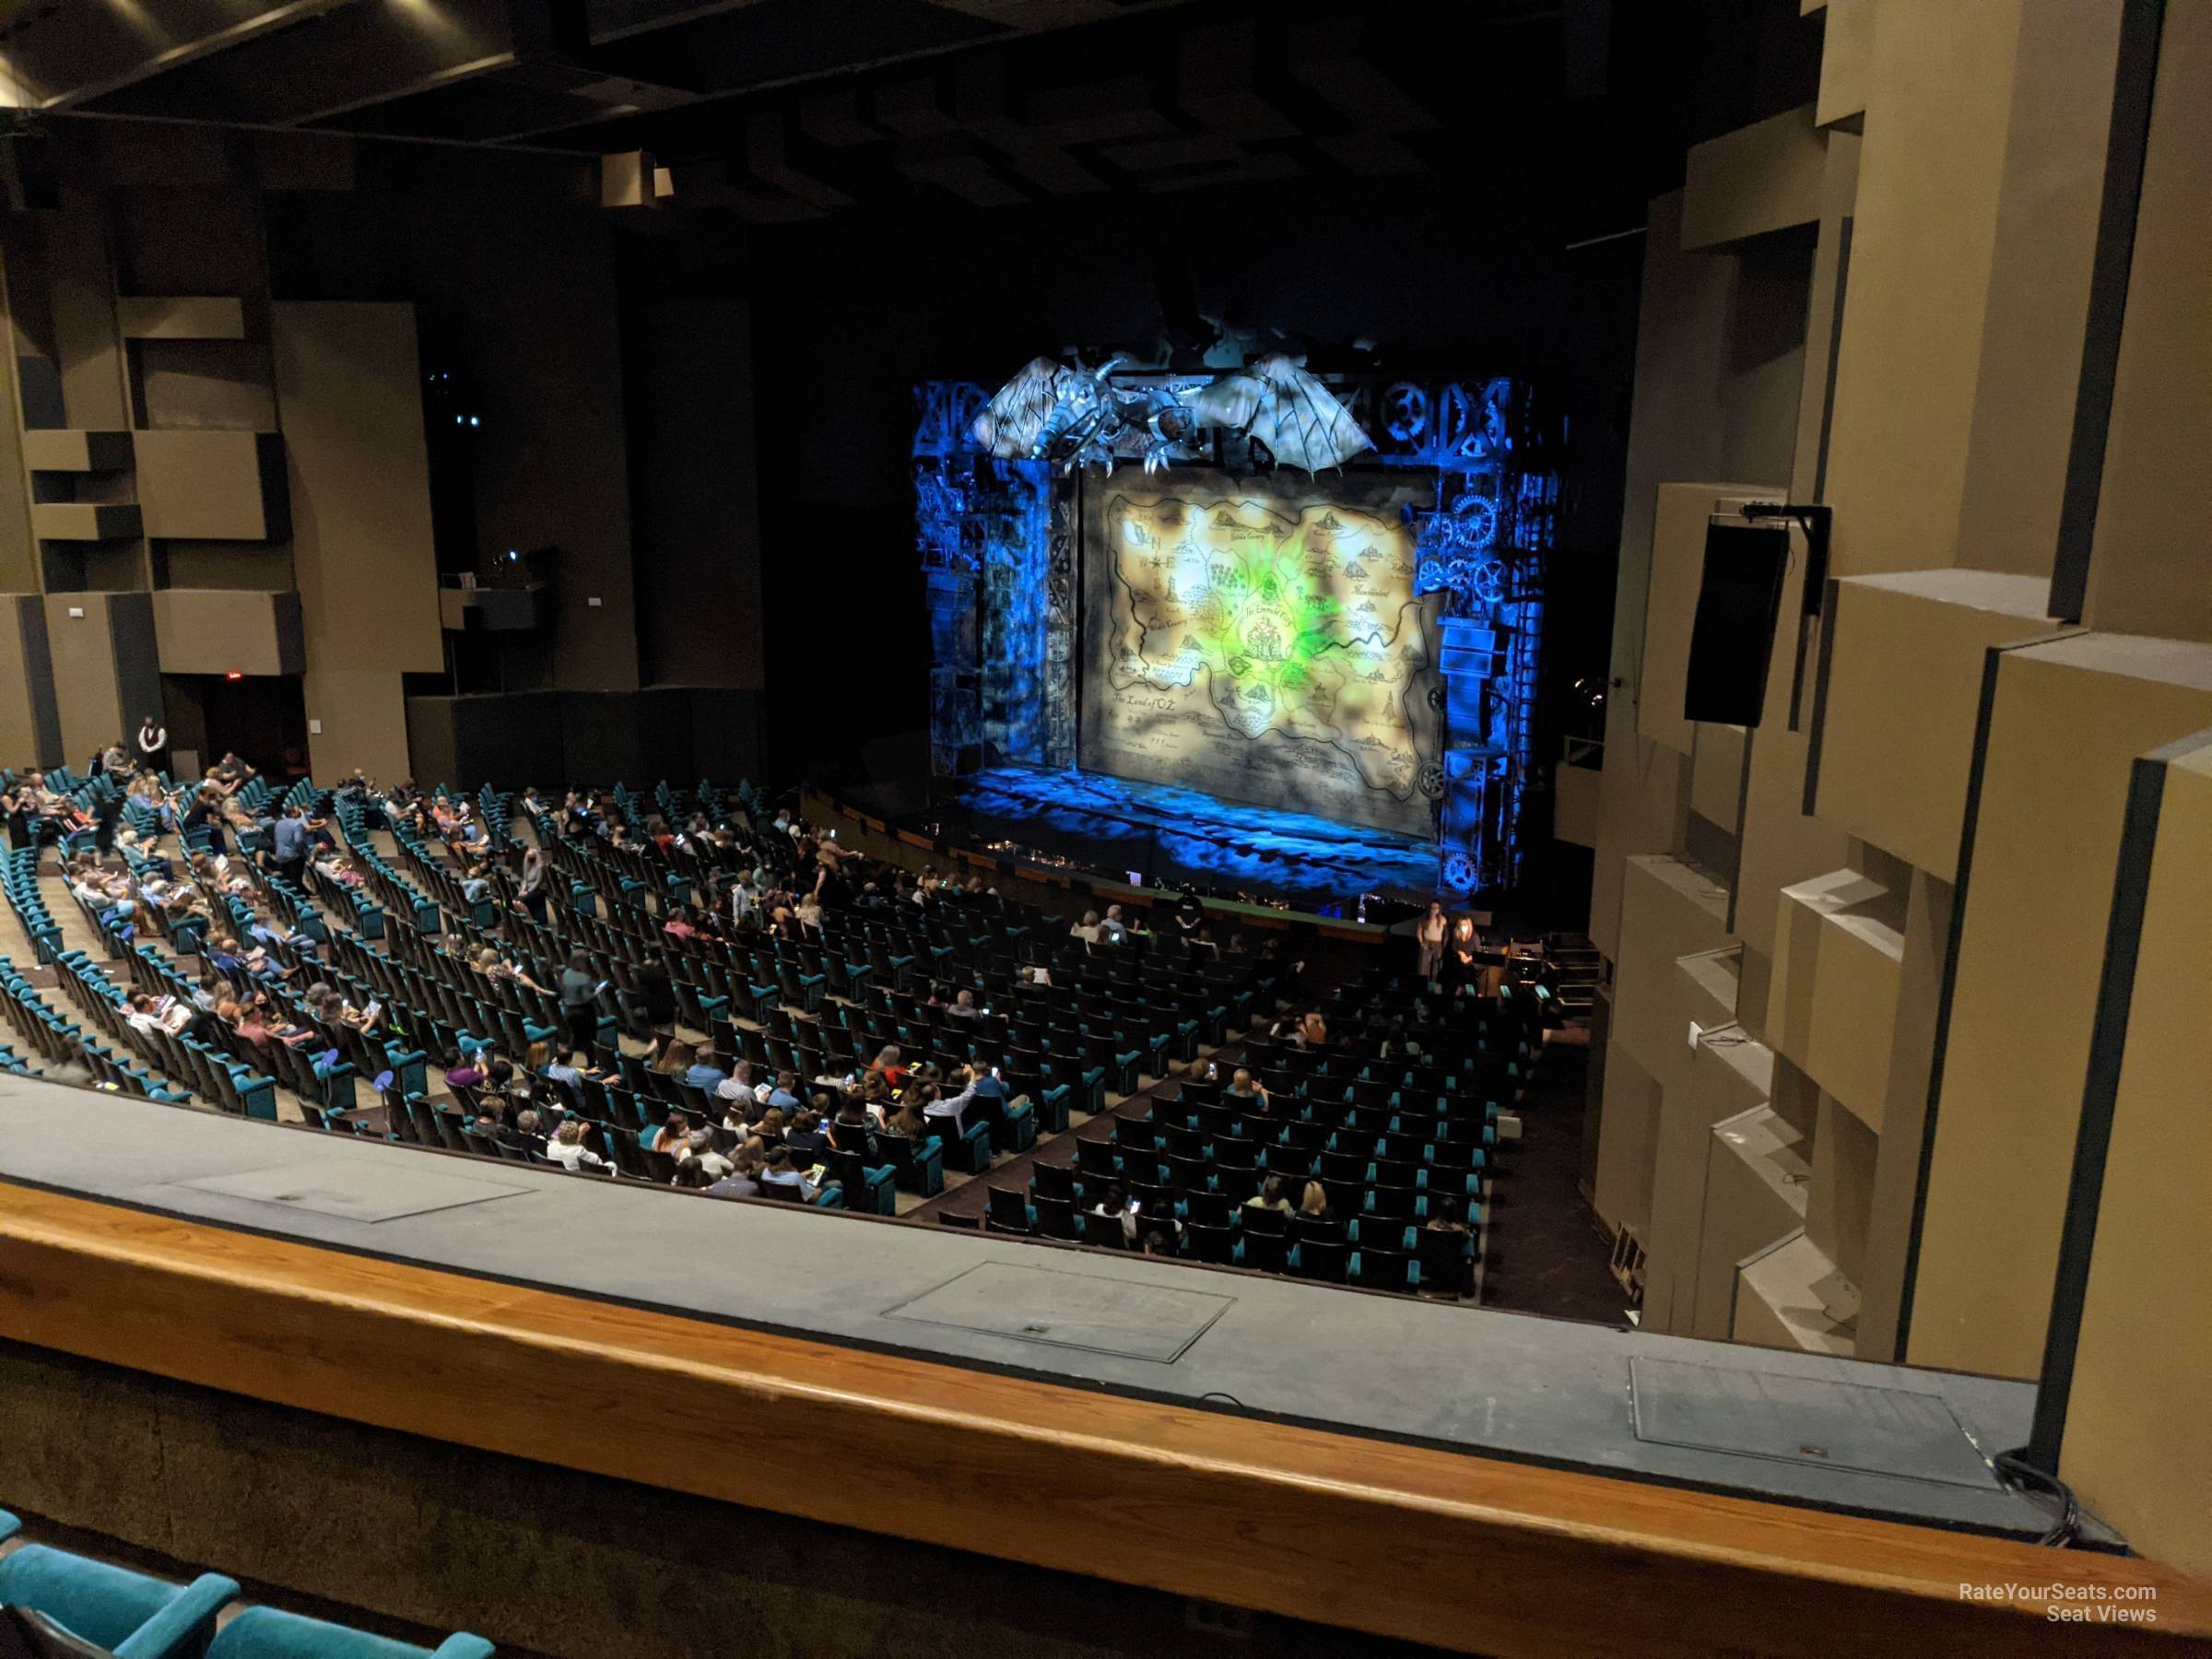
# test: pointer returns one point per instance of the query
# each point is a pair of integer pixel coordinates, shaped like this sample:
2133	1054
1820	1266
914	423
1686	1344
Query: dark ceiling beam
191	51
668	20
1015	31
333	117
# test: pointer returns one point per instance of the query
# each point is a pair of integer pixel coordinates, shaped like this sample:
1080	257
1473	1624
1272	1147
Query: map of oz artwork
1263	647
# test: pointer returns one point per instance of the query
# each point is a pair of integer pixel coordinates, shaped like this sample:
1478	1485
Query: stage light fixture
235	674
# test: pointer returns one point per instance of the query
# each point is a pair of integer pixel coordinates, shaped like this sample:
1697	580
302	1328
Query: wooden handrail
1458	1550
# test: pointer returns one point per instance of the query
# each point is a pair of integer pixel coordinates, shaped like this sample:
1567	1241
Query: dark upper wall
510	266
688	367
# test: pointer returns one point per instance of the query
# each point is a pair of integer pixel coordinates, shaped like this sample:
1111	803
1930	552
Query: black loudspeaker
1733	639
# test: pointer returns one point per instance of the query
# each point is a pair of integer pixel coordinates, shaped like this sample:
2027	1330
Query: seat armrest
176	1627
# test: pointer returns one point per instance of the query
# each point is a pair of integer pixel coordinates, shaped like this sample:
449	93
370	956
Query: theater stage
1147	833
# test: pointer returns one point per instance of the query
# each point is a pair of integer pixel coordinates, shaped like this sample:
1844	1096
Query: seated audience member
783	1170
1086	930
963	1007
1113	930
564	1070
849	1114
743	1181
1314	1203
1275	1195
892	1066
1114	1208
907	1121
806	1139
698	1148
465	1072
1446	1218
1243	1086
704	1074
568	1150
939	1108
742	1086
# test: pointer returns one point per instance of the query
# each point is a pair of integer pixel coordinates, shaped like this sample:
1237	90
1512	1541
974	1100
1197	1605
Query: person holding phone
1115	1207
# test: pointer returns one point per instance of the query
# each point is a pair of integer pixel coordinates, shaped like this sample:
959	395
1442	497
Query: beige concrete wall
348	383
83	300
1729	1074
2039	285
1846	60
1716	774
1628	1144
1576	792
1896	1185
1938	98
1838	964
1781	843
22	743
1669	910
1675	432
1845	1151
222	631
1786	1298
18	553
1758	179
2153	515
205	486
1754	1190
363	716
1976	218
2138	1441
1904	691
84	675
2069	719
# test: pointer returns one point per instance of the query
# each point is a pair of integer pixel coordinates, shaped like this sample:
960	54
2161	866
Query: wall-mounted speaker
1733	639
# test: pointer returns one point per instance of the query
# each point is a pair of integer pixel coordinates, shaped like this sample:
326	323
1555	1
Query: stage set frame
1002	548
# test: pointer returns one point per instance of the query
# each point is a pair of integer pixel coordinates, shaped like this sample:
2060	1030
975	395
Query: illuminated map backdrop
1260	640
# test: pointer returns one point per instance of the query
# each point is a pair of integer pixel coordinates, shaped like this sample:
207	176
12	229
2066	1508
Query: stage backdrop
1259	638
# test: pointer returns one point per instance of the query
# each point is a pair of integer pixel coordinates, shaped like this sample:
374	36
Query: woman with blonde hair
568	1150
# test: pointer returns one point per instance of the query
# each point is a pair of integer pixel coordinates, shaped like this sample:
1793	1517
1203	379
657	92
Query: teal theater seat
264	1633
133	1615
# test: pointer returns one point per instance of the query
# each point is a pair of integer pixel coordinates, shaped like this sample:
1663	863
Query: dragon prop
1074	417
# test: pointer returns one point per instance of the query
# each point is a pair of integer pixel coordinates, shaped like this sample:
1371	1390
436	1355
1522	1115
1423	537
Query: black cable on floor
2018	1473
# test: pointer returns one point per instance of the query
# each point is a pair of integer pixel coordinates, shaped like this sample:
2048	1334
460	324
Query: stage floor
1146	833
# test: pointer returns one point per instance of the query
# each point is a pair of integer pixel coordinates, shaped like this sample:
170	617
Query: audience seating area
705	936
136	1616
1389	1135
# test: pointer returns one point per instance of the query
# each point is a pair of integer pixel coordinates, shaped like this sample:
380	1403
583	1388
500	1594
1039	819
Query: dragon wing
1231	402
1300	420
1017	418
